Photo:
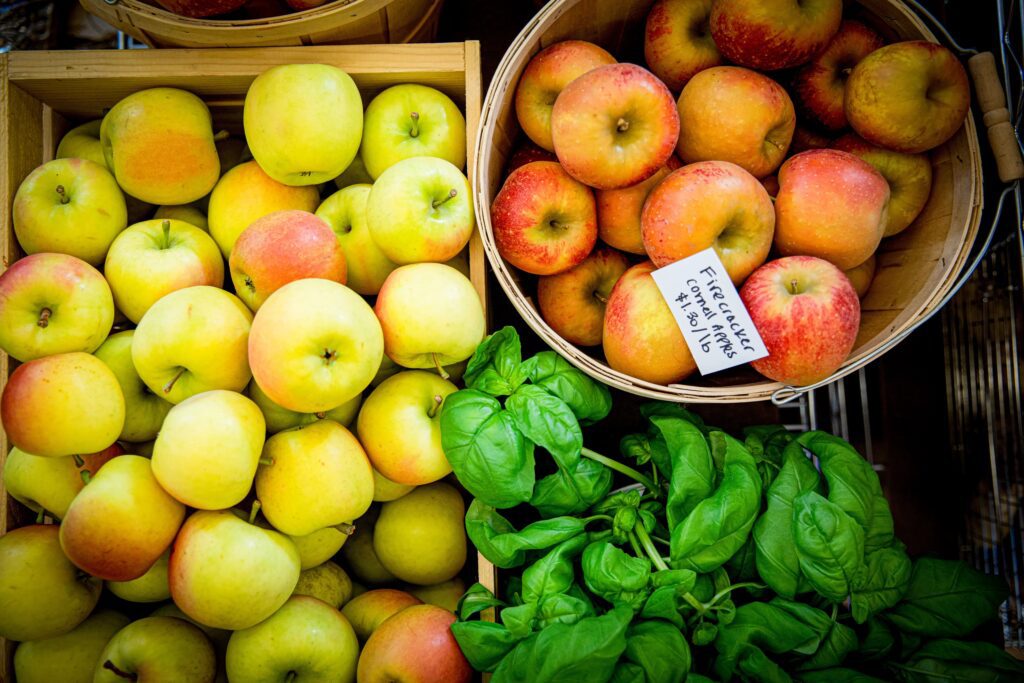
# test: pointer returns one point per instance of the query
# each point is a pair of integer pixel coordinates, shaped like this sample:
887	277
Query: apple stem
622	125
438	400
86	476
79	461
166	225
440	369
170	385
794	287
601	297
40	516
64	198
44	317
256	505
346	528
320	415
267	461
290	677
221	135
451	195
109	665
415	132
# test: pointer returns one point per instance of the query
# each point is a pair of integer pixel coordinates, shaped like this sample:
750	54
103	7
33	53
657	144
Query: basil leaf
965	662
483	643
947	598
829	545
836	675
588	399
498	541
487	452
636	447
754	665
776	557
585	651
520	620
495	367
560	608
838	643
877	642
619	578
547	421
742	566
564	493
814	618
692	472
719	525
760	626
478	598
552	573
627	672
660	649
883	582
664	601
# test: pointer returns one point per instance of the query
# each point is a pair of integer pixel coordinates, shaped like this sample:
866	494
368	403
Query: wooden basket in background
337	22
915	268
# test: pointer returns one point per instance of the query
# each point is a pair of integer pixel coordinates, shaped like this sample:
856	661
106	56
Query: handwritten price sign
708	310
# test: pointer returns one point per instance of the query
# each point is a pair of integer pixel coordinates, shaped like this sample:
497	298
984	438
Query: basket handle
992	100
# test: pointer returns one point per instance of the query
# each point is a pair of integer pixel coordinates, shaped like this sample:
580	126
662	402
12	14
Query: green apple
411	455
53	303
312	477
160	146
303	122
69	206
421	537
121	522
40	483
208	449
71	657
83	142
304	641
315	344
420	209
42	594
62	405
445	594
360	557
412	120
189	213
218	636
193	340
431	316
371	609
150	587
321	545
327	582
278	419
354	174
157	649
345	212
385	490
154	258
229	573
144	411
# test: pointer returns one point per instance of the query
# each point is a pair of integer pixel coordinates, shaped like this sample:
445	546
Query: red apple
573	302
773	34
280	248
547	74
807	313
525	153
264	9
201	8
641	337
909	177
861	276
614	126
299	5
910	96
728	113
677	41
618	211
831	205
544	221
710	204
416	645
805	139
820	86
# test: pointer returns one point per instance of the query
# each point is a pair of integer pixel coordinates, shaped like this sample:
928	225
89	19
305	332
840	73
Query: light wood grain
916	268
339	22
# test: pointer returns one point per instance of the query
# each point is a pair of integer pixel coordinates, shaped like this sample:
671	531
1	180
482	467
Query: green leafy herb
829	545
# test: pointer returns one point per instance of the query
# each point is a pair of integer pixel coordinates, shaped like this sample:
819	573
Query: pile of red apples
252	9
788	138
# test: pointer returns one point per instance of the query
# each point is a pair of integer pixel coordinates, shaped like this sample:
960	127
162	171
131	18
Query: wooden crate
915	268
338	22
46	93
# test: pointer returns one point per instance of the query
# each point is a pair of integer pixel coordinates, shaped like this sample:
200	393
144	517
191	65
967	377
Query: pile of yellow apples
209	406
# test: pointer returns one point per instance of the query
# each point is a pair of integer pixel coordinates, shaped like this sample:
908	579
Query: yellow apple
208	449
327	582
157	649
360	557
50	484
83	142
445	594
345	212
385	490
184	212
144	411
313	477
371	609
71	657
421	537
278	419
321	545
150	587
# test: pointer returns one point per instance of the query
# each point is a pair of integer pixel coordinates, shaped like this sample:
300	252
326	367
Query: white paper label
709	311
